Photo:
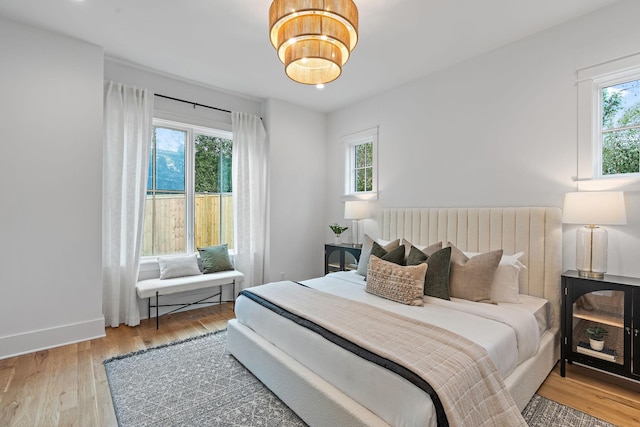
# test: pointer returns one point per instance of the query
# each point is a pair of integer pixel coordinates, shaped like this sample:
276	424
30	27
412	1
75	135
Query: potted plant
338	230
596	337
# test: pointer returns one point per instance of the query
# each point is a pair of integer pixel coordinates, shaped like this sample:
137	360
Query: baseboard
28	342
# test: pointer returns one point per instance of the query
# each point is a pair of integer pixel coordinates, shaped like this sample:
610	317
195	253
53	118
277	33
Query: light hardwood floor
67	386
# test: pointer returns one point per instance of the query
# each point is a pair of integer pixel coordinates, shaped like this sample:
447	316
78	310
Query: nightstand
612	303
341	257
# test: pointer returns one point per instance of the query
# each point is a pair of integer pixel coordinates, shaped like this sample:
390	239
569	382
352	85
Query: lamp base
591	251
590	274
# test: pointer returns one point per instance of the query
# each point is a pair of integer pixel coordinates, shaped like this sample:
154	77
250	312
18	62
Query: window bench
156	287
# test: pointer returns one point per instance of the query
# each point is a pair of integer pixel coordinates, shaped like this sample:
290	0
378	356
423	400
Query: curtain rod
195	104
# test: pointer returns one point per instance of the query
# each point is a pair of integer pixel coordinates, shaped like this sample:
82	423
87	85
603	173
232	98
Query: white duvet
509	335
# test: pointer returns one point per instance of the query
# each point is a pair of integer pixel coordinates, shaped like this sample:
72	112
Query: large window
189	201
360	163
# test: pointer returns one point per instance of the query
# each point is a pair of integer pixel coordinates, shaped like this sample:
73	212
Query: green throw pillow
215	258
366	253
395	256
436	281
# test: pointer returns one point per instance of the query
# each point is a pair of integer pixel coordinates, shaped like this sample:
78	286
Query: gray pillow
395	256
436	281
365	253
215	258
428	250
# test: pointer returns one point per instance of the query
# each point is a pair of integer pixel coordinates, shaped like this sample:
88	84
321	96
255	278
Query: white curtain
128	117
250	187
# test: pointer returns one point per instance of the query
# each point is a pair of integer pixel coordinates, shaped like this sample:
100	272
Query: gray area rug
196	382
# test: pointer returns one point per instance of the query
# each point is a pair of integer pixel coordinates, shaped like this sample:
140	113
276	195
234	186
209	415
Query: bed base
319	403
312	398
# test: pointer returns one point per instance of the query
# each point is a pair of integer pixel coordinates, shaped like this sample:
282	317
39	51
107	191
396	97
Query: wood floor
67	386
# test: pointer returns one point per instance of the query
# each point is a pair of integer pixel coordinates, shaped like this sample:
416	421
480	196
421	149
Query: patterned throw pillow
471	278
395	282
215	258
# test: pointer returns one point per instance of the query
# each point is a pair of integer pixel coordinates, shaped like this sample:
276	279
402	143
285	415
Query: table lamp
356	210
592	209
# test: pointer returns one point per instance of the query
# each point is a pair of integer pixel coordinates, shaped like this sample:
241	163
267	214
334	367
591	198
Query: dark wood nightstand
341	257
612	303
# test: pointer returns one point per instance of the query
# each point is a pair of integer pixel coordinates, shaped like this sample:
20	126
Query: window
360	163
189	202
609	125
620	128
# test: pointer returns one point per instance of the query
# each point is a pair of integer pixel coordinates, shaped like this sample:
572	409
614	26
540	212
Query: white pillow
506	284
178	266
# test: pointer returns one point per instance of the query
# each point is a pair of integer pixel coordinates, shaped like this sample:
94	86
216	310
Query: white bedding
539	307
395	400
509	333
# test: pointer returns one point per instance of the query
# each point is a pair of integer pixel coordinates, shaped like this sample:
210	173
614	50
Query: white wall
50	181
183	89
497	130
298	155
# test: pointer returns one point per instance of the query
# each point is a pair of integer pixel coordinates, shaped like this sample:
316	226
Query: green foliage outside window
363	167
212	164
621	128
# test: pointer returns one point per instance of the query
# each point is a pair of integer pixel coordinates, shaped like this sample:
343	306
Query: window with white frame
361	163
189	192
609	123
619	134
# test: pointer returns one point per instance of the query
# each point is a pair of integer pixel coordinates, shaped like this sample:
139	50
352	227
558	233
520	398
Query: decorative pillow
471	278
436	281
506	282
178	266
427	250
366	252
395	282
215	258
395	256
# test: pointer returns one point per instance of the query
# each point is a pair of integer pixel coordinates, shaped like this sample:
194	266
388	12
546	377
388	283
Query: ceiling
224	43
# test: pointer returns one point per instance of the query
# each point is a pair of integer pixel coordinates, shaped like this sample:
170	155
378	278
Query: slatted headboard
536	231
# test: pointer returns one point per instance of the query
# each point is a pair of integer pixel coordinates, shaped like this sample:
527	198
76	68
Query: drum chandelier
314	38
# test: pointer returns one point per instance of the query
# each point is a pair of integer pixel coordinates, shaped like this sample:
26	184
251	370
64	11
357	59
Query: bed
328	385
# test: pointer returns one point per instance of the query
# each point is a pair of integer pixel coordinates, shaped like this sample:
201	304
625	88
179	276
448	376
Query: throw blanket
457	373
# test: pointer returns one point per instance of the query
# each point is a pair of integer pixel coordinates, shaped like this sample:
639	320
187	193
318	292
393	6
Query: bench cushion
148	288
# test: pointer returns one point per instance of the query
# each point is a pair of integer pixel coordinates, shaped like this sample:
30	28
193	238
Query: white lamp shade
356	209
597	207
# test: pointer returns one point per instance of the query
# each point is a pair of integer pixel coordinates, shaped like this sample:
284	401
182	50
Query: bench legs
185	305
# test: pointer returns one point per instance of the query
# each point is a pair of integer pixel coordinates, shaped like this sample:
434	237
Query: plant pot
337	239
597	345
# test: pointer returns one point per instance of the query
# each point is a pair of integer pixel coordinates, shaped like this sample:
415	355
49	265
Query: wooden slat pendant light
314	38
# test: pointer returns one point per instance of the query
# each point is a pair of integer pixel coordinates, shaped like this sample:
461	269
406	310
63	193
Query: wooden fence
169	214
